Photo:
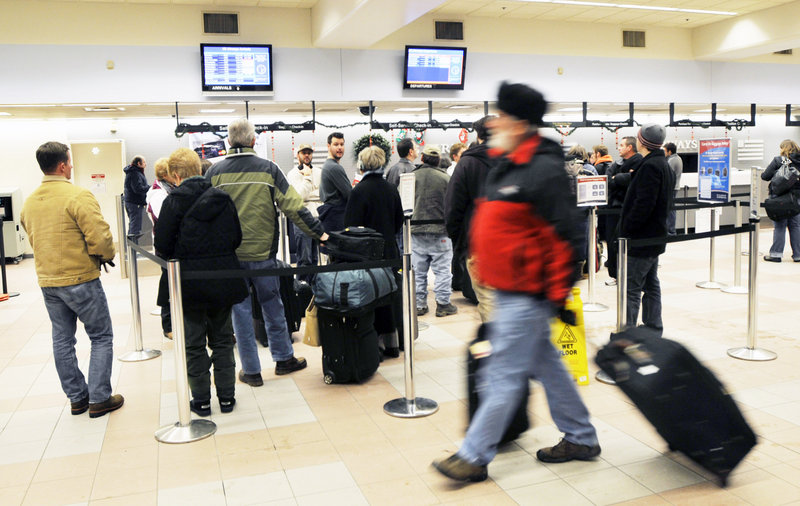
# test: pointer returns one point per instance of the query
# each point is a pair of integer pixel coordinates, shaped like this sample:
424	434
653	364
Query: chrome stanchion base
12	294
139	356
753	354
734	289
423	326
156	312
594	307
416	408
709	284
602	377
195	431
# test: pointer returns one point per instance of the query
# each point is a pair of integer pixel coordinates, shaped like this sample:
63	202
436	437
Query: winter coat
199	226
465	187
375	203
619	178
135	185
775	164
430	186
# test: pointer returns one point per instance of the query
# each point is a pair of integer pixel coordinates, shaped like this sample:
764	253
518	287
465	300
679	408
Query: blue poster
714	170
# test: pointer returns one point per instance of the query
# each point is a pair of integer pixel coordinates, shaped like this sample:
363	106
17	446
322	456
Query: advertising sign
714	170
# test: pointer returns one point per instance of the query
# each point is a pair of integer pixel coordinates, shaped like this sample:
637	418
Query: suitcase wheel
329	378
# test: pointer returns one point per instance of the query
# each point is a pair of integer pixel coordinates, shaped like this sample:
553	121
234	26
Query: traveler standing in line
257	186
619	177
407	150
135	195
334	186
644	216
676	166
430	246
156	195
200	227
464	188
306	180
375	203
70	241
601	159
790	150
523	238
456	150
577	164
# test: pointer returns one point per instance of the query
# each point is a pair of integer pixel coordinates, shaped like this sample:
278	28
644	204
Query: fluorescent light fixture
411	109
582	3
28	105
709	110
3	113
570	109
98	105
459	107
212	111
103	109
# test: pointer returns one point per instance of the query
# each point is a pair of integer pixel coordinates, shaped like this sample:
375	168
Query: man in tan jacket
70	240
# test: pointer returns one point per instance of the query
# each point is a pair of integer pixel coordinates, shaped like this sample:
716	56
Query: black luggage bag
683	400
349	345
295	296
477	352
355	244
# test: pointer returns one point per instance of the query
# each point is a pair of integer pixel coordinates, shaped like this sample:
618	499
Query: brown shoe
290	366
80	407
456	468
97	409
565	451
254	380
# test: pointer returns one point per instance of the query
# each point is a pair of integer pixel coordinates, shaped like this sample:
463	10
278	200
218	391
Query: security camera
366	110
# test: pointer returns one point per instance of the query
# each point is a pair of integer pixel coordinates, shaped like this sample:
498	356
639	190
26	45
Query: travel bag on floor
349	345
683	400
478	351
295	296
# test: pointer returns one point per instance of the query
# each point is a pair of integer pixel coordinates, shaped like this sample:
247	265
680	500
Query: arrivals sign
714	170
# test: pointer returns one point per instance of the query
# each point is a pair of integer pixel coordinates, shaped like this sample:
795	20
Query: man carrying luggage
523	239
257	186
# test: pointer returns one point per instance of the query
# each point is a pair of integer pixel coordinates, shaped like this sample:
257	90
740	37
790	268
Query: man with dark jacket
644	215
465	186
523	238
199	226
135	194
619	178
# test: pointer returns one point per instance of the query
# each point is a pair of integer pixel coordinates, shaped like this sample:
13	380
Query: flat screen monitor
435	68
236	69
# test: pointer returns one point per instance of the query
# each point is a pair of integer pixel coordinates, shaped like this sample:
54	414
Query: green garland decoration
377	140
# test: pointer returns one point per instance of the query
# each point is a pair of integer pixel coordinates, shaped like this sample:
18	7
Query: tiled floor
298	441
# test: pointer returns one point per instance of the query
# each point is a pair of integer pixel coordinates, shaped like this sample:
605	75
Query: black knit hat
522	102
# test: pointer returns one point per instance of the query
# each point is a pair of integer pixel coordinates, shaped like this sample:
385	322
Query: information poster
714	170
407	182
592	191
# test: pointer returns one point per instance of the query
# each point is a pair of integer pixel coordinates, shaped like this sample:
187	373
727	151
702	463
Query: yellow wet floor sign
570	340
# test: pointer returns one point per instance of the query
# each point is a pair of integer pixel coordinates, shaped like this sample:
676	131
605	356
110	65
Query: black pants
611	239
214	328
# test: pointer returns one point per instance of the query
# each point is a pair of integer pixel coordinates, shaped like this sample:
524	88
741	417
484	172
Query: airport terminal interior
115	79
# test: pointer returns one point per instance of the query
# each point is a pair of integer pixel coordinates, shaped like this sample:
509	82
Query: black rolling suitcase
349	345
295	296
683	400
479	349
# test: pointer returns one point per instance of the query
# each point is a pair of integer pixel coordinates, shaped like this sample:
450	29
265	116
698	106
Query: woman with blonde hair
791	152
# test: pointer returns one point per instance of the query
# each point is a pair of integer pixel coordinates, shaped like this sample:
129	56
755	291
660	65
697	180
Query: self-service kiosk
13	234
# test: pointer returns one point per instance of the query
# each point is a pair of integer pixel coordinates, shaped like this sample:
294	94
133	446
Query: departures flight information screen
435	66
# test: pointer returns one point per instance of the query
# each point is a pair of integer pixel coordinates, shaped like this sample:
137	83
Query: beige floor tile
127	458
320	478
344	497
13	495
257	489
762	487
144	499
109	484
43	401
129	438
652	500
496	499
421	458
410	491
661	474
703	494
22	473
247	463
67	467
377	467
207	494
292	435
308	454
243	441
595	486
550	492
518	469
204	449
188	472
75	489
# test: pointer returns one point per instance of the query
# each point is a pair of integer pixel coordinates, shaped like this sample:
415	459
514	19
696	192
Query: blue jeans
434	251
779	237
87	302
643	277
280	342
135	212
305	250
521	349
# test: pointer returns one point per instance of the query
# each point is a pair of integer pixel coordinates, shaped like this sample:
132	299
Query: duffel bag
357	244
346	290
782	207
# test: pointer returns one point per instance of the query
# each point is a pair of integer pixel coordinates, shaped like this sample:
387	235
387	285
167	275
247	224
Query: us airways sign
686	145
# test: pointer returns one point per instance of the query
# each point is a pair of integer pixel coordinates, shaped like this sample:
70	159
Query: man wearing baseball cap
644	215
305	179
524	242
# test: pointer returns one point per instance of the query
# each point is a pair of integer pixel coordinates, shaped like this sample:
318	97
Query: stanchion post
750	352
185	430
139	353
622	302
121	236
590	305
685	212
283	238
409	406
737	255
711	284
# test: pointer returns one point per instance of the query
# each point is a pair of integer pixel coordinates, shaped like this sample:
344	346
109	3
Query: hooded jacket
135	185
465	187
775	164
199	226
603	163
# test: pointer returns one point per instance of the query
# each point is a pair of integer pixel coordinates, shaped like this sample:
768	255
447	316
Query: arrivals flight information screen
226	66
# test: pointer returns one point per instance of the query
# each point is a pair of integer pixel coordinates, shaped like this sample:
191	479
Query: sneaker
97	409
254	380
421	310
611	282
456	468
565	451
290	366
202	408
168	335
768	258
80	407
226	405
445	309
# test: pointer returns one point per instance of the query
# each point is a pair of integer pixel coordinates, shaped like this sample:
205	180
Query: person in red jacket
524	241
